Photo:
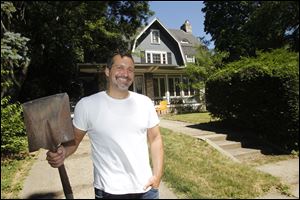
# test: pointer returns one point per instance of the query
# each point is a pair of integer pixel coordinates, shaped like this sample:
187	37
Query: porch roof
139	68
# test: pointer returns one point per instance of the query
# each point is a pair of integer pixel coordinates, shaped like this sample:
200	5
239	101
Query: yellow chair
162	108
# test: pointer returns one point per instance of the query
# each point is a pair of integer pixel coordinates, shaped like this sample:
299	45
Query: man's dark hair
110	61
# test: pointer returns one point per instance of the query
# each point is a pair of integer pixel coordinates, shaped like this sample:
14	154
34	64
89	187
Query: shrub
13	139
261	94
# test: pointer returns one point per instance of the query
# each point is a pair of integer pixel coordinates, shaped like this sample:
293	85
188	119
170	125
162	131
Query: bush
261	94
13	137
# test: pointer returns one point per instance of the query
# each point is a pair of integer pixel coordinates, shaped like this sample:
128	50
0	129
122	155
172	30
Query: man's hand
153	182
56	159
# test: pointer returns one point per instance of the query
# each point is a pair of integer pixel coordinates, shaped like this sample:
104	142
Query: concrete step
242	153
215	137
225	144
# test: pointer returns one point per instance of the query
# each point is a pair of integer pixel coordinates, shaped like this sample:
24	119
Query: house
160	56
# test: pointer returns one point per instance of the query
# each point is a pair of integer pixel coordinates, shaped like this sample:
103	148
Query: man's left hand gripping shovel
48	124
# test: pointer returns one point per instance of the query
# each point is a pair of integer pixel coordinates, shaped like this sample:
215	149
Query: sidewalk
43	181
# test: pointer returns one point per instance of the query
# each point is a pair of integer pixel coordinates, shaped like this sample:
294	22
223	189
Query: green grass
13	174
196	170
205	118
191	117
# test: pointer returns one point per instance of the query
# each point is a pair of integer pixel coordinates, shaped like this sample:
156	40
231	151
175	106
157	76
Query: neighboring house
160	56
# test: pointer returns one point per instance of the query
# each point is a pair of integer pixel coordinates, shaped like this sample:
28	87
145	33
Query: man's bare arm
157	155
56	159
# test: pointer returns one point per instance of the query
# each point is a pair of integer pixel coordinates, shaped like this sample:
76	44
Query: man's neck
117	94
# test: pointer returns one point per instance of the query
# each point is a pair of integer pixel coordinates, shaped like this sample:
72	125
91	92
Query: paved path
43	181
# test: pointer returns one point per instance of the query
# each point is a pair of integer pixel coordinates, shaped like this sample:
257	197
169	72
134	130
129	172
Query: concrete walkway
43	181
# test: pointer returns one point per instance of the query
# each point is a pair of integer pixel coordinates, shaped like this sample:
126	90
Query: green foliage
207	63
261	94
242	27
13	139
69	32
14	59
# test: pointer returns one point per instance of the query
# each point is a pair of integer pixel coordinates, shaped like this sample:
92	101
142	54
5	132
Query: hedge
259	94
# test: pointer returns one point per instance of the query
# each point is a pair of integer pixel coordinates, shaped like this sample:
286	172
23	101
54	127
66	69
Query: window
190	59
156	57
155	36
188	90
159	87
138	84
174	88
184	41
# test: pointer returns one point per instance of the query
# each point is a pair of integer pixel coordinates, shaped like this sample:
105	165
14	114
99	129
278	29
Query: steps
242	149
225	144
234	145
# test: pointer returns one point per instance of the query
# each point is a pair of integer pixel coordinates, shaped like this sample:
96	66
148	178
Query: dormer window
155	36
184	41
190	59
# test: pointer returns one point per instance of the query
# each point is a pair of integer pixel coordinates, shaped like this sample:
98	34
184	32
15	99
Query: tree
207	63
66	33
242	27
14	58
14	62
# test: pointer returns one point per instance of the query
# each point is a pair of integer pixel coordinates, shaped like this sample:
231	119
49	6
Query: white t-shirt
117	129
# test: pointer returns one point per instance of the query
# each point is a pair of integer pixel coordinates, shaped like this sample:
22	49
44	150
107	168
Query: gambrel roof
155	20
187	41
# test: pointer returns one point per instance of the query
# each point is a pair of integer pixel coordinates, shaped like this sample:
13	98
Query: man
120	125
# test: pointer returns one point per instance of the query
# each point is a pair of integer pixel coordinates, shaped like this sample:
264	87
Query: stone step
215	137
225	144
242	153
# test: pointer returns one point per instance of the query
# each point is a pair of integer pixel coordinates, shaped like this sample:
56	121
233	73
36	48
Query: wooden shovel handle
65	182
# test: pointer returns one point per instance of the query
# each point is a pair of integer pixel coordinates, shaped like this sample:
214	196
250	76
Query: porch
159	82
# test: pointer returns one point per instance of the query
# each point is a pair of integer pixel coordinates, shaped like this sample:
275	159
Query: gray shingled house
160	56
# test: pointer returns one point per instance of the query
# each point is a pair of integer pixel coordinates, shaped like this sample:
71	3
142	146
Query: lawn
191	117
196	170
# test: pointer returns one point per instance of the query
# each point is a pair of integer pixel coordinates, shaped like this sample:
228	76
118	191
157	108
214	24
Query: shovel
48	124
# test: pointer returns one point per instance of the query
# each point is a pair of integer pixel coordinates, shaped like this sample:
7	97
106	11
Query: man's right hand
56	159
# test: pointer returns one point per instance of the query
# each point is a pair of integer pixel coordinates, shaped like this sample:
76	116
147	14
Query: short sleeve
80	120
153	117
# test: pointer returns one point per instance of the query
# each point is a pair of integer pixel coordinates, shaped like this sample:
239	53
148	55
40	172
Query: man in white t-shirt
120	124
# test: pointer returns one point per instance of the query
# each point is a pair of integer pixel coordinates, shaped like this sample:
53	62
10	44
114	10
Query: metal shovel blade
48	122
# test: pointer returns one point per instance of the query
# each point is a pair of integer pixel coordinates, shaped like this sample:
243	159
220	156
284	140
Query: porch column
149	85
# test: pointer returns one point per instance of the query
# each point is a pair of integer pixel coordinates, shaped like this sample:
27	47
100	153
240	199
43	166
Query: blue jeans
151	194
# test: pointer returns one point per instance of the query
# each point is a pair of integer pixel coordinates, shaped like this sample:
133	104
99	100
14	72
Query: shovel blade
48	122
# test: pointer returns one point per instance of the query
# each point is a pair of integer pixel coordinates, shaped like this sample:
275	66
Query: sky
172	14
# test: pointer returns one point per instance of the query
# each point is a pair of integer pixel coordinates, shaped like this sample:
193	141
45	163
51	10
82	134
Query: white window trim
155	30
156	52
190	59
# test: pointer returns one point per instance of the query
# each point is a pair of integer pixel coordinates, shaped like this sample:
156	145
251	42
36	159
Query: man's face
121	74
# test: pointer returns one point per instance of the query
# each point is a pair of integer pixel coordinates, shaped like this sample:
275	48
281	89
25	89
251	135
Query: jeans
151	194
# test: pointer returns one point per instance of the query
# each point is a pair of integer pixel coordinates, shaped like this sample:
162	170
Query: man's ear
107	71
